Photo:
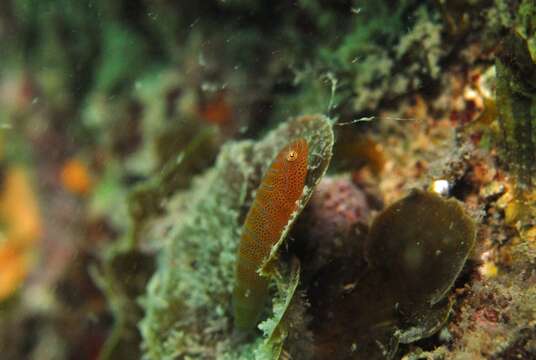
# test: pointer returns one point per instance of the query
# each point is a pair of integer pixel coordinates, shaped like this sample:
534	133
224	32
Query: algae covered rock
516	95
188	300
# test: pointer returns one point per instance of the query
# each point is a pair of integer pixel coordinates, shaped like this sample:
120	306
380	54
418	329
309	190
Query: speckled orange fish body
274	203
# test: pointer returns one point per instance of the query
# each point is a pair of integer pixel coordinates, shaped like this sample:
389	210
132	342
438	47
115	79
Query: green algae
275	328
526	26
410	233
416	249
123	277
188	299
515	69
516	104
196	148
385	52
121	281
119	42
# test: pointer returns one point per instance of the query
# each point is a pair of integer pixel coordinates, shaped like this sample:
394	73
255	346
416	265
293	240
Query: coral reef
134	136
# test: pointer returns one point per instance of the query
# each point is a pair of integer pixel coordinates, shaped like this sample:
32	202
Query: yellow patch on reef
489	269
19	215
517	210
519	206
75	177
531	235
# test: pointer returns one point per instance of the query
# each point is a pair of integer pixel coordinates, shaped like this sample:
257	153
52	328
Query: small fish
274	203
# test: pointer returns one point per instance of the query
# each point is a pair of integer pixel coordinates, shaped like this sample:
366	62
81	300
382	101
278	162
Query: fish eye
292	155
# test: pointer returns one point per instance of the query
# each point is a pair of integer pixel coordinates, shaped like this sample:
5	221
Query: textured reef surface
135	135
197	268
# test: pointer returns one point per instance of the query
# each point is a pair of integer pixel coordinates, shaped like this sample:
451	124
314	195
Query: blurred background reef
133	135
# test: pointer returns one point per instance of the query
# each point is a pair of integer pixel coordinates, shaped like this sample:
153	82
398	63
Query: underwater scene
267	180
